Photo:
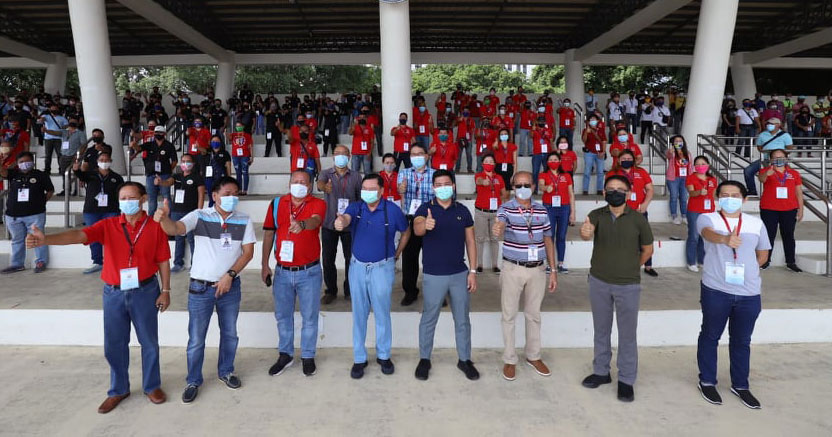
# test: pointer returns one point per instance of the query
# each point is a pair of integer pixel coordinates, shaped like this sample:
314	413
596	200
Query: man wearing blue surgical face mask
773	138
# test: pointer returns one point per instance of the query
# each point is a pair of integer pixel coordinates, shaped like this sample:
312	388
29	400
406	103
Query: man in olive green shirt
622	242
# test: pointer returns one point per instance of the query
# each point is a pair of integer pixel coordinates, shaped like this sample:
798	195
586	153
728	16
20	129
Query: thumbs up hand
35	238
430	223
734	241
339	222
587	229
162	211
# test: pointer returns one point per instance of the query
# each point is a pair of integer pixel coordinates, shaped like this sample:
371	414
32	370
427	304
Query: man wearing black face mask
91	152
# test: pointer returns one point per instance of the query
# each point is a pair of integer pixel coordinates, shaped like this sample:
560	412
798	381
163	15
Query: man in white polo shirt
224	240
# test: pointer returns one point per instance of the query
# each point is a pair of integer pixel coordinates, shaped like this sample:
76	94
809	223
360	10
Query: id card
556	201
268	135
683	171
213	132
782	192
179	197
734	273
505	166
209	171
225	241
102	200
240	152
443	166
406	146
532	253
300	163
597	148
64	145
421	129
567	122
129	278
414	205
363	145
492	203
342	205
157	166
708	204
287	251
326	132
22	194
633	197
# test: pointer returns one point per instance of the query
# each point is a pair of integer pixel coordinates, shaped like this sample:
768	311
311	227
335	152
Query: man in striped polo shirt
527	246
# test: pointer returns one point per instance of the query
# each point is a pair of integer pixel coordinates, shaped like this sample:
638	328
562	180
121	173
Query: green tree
478	78
548	77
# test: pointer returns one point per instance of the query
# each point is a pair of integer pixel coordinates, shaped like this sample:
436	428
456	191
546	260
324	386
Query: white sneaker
694	268
685	220
677	221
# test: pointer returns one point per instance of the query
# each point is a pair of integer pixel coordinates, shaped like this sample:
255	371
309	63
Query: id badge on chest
342	205
421	129
734	273
225	241
633	197
567	122
406	146
268	135
708	204
326	132
492	203
505	167
239	152
556	201
544	148
179	197
102	200
129	278
532	253
300	163
598	148
414	205
782	192
22	195
64	145
443	166
287	251
209	171
683	171
363	145
157	166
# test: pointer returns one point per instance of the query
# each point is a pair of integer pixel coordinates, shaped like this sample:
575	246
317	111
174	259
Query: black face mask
615	198
98	140
304	135
159	136
362	122
73	125
402	121
627	164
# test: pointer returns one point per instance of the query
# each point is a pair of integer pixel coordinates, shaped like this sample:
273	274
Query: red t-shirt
567	117
593	142
150	249
630	145
391	187
307	242
362	139
505	154
465	129
564	181
568	158
241	145
511	112
527	118
701	204
542	140
474	106
780	190
198	139
313	125
639	178
440	105
422	122
504	122
403	138
485	140
445	156
298	157
487	192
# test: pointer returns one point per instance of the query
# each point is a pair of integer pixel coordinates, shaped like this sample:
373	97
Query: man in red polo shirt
363	136
444	152
199	138
297	251
304	154
135	250
566	121
403	137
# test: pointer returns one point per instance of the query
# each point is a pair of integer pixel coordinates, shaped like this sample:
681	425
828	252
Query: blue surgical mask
623	138
369	196
216	144
593	123
299	191
770	127
730	204
417	161
443	137
422	109
504	137
444	192
341	161
229	203
129	207
26	165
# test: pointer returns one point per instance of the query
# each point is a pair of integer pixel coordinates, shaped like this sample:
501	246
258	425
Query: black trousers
52	146
276	139
329	249
506	175
787	221
646	129
402	157
410	263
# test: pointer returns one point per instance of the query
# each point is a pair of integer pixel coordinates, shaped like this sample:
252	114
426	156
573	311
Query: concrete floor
56	390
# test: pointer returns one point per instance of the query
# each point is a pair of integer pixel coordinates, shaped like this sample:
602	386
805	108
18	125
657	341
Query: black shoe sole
753	407
289	364
595	384
710	401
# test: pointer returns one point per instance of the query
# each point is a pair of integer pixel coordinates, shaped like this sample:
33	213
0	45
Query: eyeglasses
522	185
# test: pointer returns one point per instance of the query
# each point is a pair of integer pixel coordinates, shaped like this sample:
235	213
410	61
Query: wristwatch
232	273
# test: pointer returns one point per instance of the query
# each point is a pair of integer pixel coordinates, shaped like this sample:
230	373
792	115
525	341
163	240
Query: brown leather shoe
111	403
539	367
509	372
157	396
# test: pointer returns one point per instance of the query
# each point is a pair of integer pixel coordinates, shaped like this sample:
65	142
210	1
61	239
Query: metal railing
176	129
657	143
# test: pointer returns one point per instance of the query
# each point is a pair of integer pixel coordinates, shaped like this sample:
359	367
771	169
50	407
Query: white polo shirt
218	243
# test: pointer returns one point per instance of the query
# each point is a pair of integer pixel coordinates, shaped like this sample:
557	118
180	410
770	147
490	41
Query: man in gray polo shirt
224	244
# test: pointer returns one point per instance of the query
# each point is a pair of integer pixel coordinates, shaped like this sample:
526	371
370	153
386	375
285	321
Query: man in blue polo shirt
773	138
447	230
373	223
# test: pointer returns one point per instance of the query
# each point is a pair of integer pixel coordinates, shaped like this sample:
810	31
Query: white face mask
104	165
298	190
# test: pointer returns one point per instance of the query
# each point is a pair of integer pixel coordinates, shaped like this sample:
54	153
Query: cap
773	120
160	129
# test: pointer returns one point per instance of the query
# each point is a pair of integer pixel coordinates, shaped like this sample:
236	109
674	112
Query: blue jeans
201	303
20	226
121	307
678	195
306	286
464	152
423	140
538	162
359	160
344	127
153	192
179	250
559	219
592	160
524	142
435	288
567	132
241	164
750	174
695	246
718	308
371	284
91	218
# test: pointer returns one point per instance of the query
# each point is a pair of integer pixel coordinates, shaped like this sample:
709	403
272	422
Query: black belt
528	264
205	283
299	268
141	284
485	210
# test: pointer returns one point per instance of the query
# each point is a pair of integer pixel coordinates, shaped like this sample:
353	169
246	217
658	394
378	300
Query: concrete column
709	69
742	74
55	80
574	78
88	19
224	87
394	22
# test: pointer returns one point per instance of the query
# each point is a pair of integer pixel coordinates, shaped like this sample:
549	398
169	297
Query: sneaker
765	266
357	371
327	299
231	381
677	220
710	394
684	220
539	367
479	269
562	270
509	372
599	192
422	370
595	381
190	393
92	269
694	268
177	268
793	267
651	272
625	392
387	366
496	270
12	269
467	367
309	367
747	398
408	300
284	361
40	267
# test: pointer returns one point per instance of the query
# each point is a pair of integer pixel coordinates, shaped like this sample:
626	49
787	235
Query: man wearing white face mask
416	187
224	241
101	201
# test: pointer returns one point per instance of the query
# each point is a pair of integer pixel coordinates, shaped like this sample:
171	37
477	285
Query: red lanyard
737	229
132	244
388	182
295	213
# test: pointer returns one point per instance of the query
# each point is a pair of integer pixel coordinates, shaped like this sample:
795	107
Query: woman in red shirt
568	158
558	197
623	140
679	167
505	154
700	186
443	152
781	204
491	192
390	176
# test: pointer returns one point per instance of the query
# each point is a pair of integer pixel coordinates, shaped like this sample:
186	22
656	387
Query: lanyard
388	182
527	217
342	179
782	181
296	212
418	178
727	226
132	244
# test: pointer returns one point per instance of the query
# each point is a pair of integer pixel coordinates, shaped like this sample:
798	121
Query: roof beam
652	13
797	45
163	18
13	47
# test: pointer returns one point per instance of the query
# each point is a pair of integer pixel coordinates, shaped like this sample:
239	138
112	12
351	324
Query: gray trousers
623	300
434	290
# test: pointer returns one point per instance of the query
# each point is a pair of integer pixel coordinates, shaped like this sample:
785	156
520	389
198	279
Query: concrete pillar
88	19
742	74
55	80
709	69
574	78
224	87
394	22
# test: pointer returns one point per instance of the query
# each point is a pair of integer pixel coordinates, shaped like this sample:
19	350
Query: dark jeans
51	146
718	308
179	249
91	218
402	157
567	132
646	129
275	139
787	221
559	219
410	264
750	175
329	246
464	151
744	146
65	162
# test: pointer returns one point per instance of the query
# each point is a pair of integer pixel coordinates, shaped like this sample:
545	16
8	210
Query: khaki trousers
530	283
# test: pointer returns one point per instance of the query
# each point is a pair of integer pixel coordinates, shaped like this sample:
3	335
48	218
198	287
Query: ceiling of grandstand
286	26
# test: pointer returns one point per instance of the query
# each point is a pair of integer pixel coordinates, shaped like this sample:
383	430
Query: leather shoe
111	403
327	299
157	396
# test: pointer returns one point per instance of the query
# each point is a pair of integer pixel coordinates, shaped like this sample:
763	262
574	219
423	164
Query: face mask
466	113
159	136
444	192
197	124
701	168
389	167
216	145
402	121
369	196
341	161
104	165
567	104
541	109
553	165
98	140
779	162
238	128
623	138
770	127
417	161
523	193
299	190
73	125
563	146
362	122
593	123
730	204
304	136
502	112
128	207
678	145
488	167
660	103
504	137
228	203
308	115
26	165
627	164
421	109
615	198
186	166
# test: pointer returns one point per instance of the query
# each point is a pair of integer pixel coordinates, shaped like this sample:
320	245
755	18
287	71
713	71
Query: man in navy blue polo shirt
373	223
447	230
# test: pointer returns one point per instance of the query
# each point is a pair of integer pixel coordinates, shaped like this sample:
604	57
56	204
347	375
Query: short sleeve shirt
218	243
779	143
491	191
525	231
560	194
151	246
639	178
307	243
189	185
346	187
780	190
701	204
444	246
369	230
27	192
617	245
754	237
98	185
